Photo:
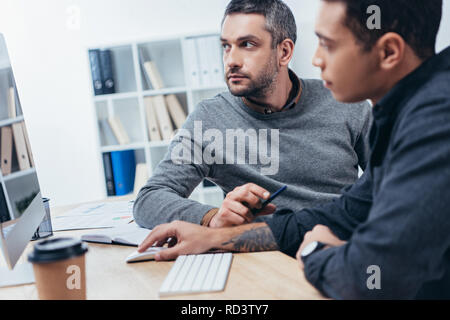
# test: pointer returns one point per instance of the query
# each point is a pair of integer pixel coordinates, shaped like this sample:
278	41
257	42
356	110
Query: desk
259	275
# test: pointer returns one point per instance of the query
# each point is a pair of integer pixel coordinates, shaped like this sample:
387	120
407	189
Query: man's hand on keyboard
186	238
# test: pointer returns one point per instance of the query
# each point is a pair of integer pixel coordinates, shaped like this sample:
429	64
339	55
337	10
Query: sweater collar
294	95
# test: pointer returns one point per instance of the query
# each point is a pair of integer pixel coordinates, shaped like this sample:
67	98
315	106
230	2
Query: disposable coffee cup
60	269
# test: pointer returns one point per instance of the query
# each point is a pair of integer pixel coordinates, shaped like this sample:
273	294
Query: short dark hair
416	21
280	21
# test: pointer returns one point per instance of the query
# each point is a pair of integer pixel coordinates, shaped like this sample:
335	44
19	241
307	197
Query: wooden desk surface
259	275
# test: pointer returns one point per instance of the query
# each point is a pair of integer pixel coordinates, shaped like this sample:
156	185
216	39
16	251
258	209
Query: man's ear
285	52
391	50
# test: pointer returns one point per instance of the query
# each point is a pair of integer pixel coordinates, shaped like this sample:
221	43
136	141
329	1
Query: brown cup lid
57	249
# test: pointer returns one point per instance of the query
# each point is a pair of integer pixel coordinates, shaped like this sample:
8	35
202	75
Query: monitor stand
20	275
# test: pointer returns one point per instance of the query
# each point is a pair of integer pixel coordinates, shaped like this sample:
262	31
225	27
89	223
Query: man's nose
233	59
317	61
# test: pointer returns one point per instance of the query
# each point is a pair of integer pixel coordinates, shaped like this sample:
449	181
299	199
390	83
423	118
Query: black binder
4	212
94	59
107	72
109	177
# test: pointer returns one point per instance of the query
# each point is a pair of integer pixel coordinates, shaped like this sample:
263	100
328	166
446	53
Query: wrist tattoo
256	239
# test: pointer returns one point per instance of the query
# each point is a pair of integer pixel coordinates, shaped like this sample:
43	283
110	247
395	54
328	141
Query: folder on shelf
107	71
107	134
21	147
152	122
176	110
12	113
6	150
162	114
123	166
205	68
109	177
153	74
143	57
215	60
94	59
192	61
141	177
27	142
119	130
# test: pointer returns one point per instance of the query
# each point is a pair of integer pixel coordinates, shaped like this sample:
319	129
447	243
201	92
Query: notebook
130	234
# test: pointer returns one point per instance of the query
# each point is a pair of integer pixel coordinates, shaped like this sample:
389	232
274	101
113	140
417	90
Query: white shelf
19	174
4	64
215	87
163	143
131	146
8	122
169	55
116	96
164	91
135	146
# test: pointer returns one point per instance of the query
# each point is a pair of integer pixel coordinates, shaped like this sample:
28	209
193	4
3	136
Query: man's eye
247	44
225	46
323	45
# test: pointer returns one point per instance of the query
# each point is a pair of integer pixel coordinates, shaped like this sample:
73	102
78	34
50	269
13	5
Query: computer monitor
21	206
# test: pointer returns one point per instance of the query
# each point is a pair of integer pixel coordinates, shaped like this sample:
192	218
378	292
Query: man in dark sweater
388	235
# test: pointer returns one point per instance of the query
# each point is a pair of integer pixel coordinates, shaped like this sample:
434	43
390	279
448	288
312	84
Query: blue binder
124	169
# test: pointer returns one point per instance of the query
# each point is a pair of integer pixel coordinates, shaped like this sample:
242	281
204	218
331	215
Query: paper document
94	216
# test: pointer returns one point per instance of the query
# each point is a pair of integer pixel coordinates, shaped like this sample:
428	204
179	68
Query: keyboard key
203	272
207	285
197	273
192	274
170	278
222	272
181	276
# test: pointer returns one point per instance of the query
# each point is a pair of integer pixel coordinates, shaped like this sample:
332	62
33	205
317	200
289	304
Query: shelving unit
173	60
13	184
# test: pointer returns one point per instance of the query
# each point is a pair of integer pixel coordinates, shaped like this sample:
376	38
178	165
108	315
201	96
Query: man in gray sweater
271	129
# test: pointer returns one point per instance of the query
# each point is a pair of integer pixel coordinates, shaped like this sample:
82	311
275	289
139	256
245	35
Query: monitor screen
21	208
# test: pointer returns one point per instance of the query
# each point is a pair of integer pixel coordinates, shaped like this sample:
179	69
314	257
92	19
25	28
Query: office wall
48	53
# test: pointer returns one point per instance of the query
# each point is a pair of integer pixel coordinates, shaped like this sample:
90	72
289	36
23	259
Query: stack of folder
102	71
161	111
204	58
15	148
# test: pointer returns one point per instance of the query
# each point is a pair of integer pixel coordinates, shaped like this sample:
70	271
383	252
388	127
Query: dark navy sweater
397	215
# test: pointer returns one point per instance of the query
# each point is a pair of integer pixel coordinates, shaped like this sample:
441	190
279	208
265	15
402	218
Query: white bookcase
174	59
17	181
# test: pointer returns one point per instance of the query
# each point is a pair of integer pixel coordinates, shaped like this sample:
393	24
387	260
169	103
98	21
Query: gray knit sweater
314	148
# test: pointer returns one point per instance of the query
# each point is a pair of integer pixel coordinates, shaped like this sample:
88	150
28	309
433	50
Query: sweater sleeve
406	235
164	198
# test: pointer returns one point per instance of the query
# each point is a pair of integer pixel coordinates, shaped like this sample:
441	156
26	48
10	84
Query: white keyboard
197	273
